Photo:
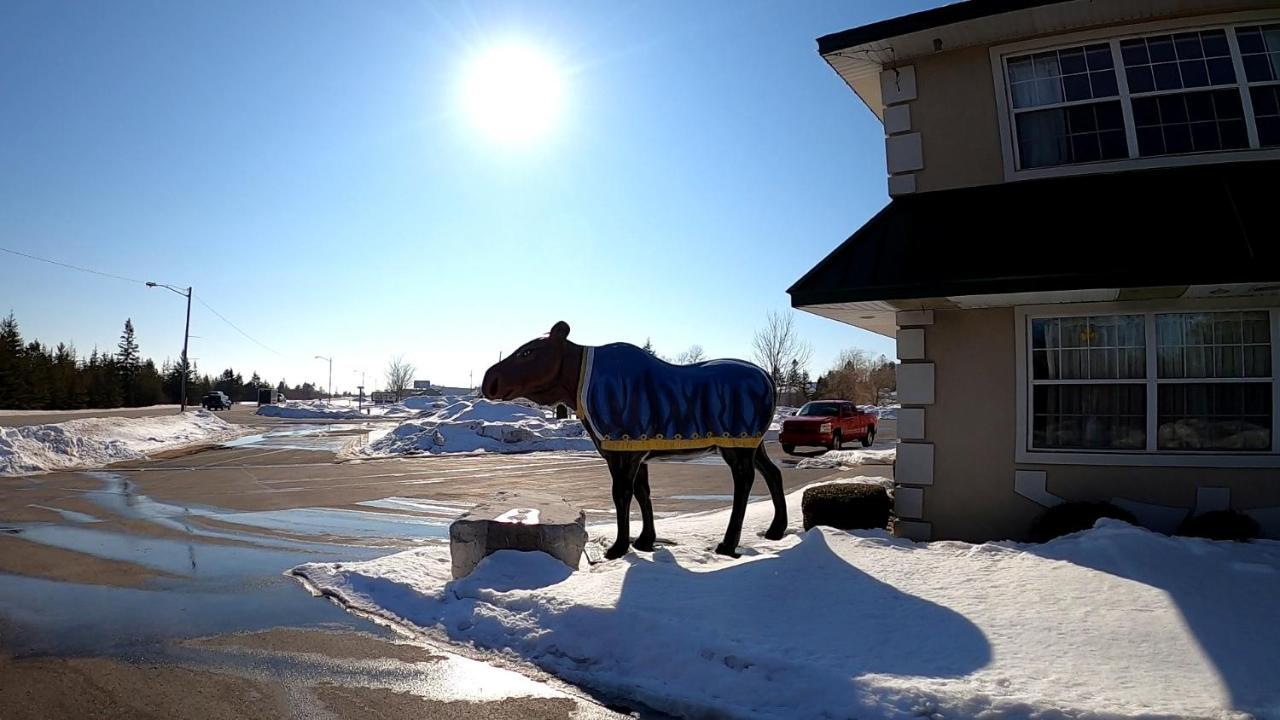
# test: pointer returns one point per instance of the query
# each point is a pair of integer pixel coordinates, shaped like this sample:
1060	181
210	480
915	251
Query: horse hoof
615	551
775	534
723	549
644	544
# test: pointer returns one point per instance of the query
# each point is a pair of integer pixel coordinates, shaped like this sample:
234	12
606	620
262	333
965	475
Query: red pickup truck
829	424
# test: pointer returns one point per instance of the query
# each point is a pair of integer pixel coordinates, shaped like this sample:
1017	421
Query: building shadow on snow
803	622
1226	593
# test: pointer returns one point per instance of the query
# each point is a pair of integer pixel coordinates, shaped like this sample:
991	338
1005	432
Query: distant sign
421	384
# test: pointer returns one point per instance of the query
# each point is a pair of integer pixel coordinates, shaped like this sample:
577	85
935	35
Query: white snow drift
848	459
476	425
1112	622
321	410
94	442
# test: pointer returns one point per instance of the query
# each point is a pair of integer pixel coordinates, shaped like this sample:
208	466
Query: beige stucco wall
955	108
972	425
955	112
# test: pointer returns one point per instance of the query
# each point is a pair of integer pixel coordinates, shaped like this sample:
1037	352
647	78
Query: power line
72	267
140	282
237	327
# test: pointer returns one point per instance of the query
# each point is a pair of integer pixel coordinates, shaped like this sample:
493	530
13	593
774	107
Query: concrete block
515	521
911	424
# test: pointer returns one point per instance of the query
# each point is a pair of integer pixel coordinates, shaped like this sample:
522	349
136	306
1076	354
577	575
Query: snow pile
1112	622
843	459
94	442
884	412
780	413
311	410
468	426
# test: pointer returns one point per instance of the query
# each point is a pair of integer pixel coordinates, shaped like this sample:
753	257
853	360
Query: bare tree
399	375
778	348
693	355
859	377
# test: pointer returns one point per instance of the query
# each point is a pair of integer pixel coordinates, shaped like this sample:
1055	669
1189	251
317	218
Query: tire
869	437
789	449
836	441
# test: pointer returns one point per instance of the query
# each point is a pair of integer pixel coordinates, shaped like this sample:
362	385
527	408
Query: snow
878	454
884	412
94	442
476	425
312	410
1112	622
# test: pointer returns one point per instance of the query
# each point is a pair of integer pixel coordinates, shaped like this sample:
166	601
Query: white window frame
1024	453
1113	35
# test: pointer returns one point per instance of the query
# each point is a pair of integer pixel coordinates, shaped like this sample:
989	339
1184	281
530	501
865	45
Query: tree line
778	348
34	376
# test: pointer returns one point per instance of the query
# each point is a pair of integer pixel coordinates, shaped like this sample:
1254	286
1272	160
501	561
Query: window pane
1189	122
1178	61
1231	416
1256	326
1260	52
1081	133
1214	345
1104	417
1071	74
1266	109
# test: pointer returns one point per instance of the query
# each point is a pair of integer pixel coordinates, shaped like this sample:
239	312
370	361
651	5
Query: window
1232	413
1072	128
1088	376
1260	55
1156	95
1205	383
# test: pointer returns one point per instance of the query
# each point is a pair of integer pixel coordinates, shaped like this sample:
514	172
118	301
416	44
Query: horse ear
560	330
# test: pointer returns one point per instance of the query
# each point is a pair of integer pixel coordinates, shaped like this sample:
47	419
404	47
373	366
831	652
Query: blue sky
308	167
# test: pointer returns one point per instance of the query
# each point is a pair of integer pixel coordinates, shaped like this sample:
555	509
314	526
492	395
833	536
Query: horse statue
637	407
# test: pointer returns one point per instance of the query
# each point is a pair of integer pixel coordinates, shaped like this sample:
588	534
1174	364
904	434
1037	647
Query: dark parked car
829	424
216	400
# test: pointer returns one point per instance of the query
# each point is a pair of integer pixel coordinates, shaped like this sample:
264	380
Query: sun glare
512	93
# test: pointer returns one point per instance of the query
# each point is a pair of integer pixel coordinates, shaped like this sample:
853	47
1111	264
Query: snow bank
468	426
311	410
1112	622
844	459
94	442
884	412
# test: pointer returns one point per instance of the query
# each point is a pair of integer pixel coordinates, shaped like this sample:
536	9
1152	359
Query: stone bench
517	521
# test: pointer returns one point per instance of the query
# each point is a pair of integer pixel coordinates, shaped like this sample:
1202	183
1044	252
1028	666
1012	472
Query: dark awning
923	20
1193	225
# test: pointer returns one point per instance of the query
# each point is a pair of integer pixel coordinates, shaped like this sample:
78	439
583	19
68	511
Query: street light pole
186	337
330	359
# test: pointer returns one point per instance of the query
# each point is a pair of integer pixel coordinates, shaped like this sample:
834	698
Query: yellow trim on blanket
689	444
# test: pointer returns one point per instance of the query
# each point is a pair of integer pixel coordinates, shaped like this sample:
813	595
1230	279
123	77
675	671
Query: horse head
544	370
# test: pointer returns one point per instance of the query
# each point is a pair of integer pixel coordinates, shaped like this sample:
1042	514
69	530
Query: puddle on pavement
216	587
118	497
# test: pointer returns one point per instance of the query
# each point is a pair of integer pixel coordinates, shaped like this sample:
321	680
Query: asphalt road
156	589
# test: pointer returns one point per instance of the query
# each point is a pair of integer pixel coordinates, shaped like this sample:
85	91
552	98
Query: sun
512	93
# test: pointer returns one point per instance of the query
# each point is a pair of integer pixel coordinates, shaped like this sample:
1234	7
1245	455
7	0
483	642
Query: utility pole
186	337
330	359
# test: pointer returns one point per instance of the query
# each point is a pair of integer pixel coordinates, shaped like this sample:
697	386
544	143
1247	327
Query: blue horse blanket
634	401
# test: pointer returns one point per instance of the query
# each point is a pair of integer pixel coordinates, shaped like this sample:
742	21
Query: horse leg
647	534
622	469
744	475
773	478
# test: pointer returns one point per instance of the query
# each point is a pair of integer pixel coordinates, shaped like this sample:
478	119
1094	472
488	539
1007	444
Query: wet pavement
206	541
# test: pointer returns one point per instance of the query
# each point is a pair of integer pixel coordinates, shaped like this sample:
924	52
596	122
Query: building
1080	258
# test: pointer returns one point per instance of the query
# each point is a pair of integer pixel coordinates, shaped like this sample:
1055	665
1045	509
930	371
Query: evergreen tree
648	347
12	371
128	364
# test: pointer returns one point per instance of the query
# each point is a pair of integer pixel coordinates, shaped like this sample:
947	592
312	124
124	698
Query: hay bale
846	506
